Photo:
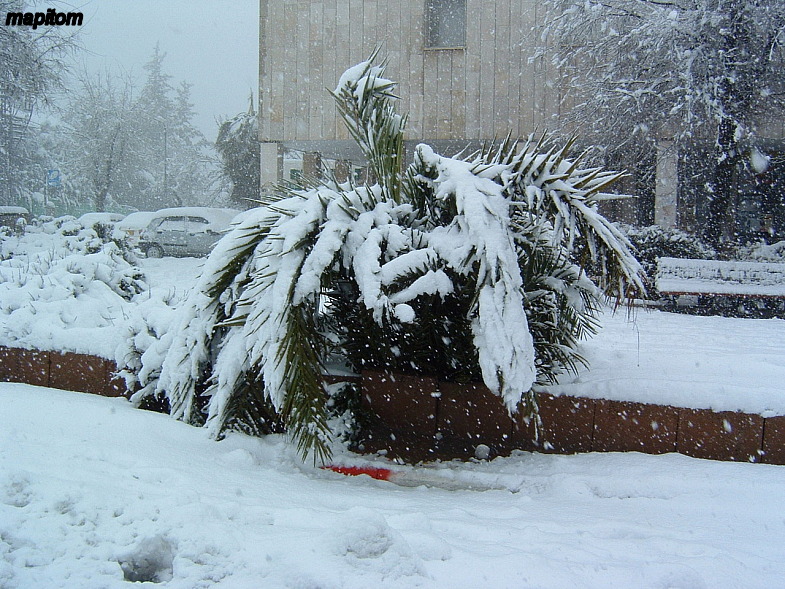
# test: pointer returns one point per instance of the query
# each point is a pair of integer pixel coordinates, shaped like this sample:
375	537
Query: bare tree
32	63
100	132
640	71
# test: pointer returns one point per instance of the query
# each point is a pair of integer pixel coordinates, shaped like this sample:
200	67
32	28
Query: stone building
468	72
461	78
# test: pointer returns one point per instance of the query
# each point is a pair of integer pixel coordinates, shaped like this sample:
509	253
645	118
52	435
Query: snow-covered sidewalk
90	486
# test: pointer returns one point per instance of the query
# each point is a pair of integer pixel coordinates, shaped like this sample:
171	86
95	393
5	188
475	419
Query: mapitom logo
39	19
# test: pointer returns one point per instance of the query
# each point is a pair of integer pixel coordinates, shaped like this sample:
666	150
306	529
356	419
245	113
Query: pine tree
170	151
239	147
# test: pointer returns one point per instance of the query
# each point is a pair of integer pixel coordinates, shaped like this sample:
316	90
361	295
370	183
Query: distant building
467	72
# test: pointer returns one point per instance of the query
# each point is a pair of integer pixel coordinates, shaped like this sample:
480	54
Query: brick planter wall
634	427
420	419
464	416
774	440
720	436
30	366
567	424
470	415
61	370
402	411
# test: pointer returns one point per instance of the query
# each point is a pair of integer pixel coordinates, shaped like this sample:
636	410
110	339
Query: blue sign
53	177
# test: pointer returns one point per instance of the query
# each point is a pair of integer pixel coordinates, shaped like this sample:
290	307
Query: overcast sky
212	44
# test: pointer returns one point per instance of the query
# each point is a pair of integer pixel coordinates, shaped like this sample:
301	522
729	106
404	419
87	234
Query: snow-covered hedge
763	252
655	242
474	263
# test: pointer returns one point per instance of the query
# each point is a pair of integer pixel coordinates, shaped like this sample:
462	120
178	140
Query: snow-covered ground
718	363
93	492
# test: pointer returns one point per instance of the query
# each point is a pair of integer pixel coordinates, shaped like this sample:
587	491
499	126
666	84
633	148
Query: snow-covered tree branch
640	71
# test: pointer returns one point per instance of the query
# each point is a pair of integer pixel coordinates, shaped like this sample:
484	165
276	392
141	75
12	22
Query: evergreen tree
190	155
153	120
170	150
239	147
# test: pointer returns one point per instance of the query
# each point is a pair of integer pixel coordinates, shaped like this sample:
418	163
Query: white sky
212	44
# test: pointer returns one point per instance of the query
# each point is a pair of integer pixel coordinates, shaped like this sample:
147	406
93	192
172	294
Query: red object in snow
415	477
381	474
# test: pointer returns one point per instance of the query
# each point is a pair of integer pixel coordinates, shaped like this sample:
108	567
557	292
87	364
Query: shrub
762	252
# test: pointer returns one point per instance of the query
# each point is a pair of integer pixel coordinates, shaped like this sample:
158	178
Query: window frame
432	44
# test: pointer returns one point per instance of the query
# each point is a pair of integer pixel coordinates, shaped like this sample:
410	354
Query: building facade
468	72
463	70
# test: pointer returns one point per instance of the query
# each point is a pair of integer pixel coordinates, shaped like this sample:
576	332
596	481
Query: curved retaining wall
420	419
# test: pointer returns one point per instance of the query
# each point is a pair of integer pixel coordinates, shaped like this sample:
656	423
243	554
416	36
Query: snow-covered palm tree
483	256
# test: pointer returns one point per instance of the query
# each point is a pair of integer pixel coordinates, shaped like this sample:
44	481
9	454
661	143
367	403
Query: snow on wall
721	277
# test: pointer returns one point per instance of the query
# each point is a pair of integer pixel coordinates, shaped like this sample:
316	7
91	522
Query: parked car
185	231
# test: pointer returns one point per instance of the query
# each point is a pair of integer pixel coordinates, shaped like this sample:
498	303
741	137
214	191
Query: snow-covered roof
92	218
14	211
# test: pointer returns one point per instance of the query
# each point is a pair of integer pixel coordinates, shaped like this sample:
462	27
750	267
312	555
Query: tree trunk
99	202
720	225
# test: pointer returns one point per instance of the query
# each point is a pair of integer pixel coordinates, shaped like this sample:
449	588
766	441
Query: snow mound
367	541
151	561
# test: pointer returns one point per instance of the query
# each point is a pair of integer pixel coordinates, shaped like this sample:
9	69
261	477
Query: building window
445	24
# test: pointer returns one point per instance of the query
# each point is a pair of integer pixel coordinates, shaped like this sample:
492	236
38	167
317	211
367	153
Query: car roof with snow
137	220
91	218
218	218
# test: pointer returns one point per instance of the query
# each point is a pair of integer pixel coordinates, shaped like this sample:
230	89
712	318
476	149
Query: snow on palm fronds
500	236
479	241
553	192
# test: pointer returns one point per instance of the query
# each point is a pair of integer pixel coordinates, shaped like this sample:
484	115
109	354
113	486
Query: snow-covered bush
65	254
655	242
477	259
59	276
762	252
